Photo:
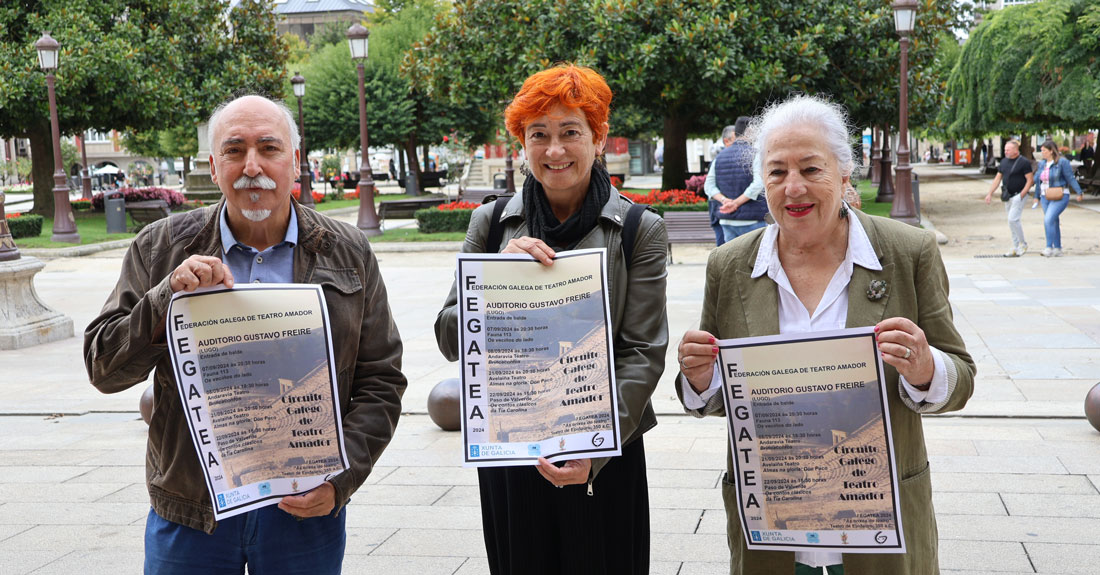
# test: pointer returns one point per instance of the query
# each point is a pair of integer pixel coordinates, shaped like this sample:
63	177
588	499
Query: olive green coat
736	305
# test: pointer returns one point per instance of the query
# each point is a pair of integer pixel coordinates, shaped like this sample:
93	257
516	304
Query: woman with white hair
815	269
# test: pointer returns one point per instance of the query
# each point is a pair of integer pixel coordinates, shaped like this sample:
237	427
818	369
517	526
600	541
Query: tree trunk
675	165
399	151
186	166
1025	146
412	184
424	153
42	169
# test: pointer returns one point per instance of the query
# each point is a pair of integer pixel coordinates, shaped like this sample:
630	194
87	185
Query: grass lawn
92	227
412	234
867	193
350	203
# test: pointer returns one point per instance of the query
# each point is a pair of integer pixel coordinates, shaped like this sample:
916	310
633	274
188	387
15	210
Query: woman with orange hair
588	516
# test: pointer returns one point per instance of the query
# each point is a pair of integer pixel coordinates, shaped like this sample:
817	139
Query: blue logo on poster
475	451
221	500
534	449
756	536
265	489
813	538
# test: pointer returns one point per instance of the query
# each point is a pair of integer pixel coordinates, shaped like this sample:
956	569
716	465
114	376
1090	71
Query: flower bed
24	226
318	197
670	200
174	198
452	217
81	204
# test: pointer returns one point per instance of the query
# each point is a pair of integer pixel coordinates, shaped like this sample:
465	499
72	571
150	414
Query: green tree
1028	69
686	67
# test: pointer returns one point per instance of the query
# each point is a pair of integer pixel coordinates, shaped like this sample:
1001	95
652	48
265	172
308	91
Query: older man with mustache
256	234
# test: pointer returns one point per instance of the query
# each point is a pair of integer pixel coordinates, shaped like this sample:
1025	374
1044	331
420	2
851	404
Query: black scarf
544	225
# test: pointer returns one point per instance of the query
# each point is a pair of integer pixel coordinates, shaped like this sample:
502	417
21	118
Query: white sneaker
1057	252
1021	250
1012	253
1046	252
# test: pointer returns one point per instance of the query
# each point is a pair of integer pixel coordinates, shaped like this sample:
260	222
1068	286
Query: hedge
432	220
26	226
173	197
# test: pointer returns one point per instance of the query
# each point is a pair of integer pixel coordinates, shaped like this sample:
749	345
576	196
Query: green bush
432	220
28	226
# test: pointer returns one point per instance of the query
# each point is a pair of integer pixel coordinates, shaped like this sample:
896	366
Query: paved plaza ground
1016	475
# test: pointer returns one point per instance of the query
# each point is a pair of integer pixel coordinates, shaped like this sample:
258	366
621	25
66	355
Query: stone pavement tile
378	474
690	478
20	561
996	390
988	464
402	494
983	556
431	476
132	456
665	568
961	503
463	496
416	458
133	493
950	447
474	566
674	520
702	547
1052	505
76	537
127	473
956	428
1013	528
373	565
1011	483
1055	558
697	568
1095	480
1056	390
711	446
1036	339
1081	465
364	540
684	498
7	531
672	460
1073	430
40	473
983	572
388	516
714	522
57	492
434	543
1060	449
44	457
97	561
70	513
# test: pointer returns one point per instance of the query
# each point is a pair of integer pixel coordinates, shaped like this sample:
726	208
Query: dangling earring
525	169
843	209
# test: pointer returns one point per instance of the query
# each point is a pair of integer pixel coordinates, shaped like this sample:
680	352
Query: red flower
457	206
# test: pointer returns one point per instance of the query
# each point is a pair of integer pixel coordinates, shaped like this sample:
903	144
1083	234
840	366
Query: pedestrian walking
1015	178
1055	174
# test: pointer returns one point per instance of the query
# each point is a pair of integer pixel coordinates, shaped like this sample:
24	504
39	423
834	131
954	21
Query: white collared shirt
831	313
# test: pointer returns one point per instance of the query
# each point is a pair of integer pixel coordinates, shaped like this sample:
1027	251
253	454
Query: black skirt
534	528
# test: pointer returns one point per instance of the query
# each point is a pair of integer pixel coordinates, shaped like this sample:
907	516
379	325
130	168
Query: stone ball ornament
1092	406
145	404
444	406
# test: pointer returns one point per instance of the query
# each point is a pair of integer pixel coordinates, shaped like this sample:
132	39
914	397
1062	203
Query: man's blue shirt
273	265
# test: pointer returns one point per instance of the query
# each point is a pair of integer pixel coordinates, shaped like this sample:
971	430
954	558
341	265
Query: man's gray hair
728	133
295	137
801	110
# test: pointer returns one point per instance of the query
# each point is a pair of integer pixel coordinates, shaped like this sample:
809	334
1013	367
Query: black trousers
534	528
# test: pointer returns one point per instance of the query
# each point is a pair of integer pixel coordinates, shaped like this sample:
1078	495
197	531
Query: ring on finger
908	352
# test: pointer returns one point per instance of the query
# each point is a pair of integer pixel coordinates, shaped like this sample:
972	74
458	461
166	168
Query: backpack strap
496	228
630	231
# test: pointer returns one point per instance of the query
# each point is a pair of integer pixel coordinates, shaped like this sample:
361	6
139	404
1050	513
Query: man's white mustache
261	182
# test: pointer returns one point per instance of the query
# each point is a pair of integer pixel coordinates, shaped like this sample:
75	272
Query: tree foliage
130	65
1028	68
684	67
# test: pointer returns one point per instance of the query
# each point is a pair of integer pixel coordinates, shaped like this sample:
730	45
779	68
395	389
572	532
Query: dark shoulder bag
1005	194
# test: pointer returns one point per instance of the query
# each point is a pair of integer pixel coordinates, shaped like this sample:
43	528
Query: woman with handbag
1054	174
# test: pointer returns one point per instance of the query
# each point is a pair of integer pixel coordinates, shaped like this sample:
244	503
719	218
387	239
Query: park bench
427	179
146	212
406	208
478	195
1090	185
688	228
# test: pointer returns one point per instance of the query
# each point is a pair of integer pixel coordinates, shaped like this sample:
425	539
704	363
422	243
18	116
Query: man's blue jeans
712	209
731	232
268	540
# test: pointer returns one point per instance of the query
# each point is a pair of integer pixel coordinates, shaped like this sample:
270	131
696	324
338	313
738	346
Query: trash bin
500	182
116	214
916	194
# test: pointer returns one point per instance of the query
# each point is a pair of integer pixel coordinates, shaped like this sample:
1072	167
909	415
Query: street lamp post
368	218
86	173
305	197
64	225
885	176
905	13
